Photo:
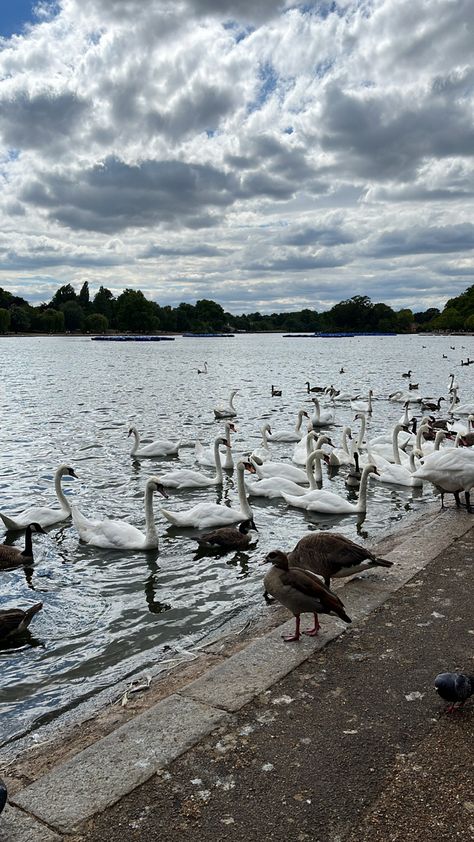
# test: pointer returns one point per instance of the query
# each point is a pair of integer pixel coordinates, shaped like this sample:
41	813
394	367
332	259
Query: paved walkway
349	743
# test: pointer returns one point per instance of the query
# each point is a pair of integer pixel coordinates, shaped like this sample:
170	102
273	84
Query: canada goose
15	621
14	556
433	406
229	537
407	373
412	386
341	370
354	475
332	556
314	388
300	591
276	393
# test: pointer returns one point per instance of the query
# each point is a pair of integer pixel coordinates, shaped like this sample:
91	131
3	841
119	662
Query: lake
70	400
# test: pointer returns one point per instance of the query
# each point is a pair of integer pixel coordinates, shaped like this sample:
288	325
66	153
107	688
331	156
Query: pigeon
454	687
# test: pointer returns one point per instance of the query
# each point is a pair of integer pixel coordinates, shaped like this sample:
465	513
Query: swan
428	447
341	455
280	469
14	556
185	478
228	411
459	427
451	471
453	385
44	515
118	534
389	452
363	406
391	474
206	514
289	435
203	370
321	417
275	486
263	452
160	447
329	503
205	455
302	447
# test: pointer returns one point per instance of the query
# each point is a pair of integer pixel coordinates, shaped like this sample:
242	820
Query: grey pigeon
454	687
3	795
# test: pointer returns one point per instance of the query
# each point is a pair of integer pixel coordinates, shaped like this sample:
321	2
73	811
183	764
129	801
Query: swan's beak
72	473
162	490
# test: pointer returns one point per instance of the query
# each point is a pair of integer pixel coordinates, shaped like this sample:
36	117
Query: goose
229	537
43	515
314	388
14	556
118	534
363	406
185	478
300	592
160	447
205	515
332	556
321	417
276	393
203	370
228	411
263	452
354	475
289	435
413	386
433	406
15	620
407	373
205	455
274	486
329	503
450	471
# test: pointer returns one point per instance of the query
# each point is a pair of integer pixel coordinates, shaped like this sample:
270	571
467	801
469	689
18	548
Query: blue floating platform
133	338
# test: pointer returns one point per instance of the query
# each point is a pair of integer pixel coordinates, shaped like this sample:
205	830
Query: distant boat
133	338
210	335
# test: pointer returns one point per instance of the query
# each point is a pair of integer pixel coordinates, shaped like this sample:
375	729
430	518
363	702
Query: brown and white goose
15	620
14	556
332	556
300	592
230	537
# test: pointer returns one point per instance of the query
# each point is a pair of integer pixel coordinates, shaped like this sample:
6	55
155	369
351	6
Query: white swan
289	435
44	515
160	447
207	514
389	452
391	474
321	417
228	411
300	450
205	455
118	534
203	370
185	478
363	406
329	503
275	486
263	452
459	427
280	469
451	471
341	455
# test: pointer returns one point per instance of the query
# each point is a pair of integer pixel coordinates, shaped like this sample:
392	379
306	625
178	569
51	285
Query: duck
363	406
186	478
160	447
326	502
333	556
43	515
276	393
231	537
274	486
118	534
203	370
206	514
15	620
321	417
289	435
14	556
228	411
450	471
300	591
263	453
205	455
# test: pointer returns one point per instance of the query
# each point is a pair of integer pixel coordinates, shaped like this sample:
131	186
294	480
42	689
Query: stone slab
101	774
16	826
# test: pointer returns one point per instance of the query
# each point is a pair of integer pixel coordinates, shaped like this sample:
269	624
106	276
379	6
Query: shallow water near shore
108	613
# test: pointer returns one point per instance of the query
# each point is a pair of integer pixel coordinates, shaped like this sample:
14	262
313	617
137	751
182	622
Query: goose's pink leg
313	632
296	635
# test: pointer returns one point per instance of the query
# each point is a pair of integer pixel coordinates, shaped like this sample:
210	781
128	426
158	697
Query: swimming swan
228	411
42	514
205	455
160	447
329	503
185	478
277	485
206	514
290	435
321	417
263	452
118	534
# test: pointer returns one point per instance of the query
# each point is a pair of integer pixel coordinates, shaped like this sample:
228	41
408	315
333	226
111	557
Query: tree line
131	311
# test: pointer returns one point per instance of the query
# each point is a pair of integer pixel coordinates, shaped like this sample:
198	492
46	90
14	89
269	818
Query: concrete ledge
101	774
16	826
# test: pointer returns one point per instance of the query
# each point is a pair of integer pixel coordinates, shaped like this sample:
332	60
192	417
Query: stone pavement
340	739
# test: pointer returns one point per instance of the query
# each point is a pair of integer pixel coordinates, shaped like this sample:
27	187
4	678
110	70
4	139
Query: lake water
107	614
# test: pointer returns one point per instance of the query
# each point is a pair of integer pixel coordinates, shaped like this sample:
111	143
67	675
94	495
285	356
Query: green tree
450	319
84	296
96	323
135	313
210	314
50	321
4	320
104	303
405	320
74	315
63	294
20	319
469	323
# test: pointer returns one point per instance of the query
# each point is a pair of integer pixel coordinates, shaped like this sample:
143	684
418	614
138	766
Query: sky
267	155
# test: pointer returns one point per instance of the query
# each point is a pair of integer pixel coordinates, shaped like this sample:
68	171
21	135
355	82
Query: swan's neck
369	402
231	401
440	435
396	452
363	423
299	422
151	533
137	442
362	501
217	459
421	429
453	400
412	461
59	491
243	499
264	436
313	468
28	551
345	434
317	409
310	443
406	420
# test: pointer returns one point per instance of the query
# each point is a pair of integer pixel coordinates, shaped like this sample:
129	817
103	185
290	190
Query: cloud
451	238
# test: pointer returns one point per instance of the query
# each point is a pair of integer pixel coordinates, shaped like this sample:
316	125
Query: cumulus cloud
240	150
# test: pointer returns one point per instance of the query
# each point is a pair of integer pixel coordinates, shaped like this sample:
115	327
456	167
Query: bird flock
424	446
